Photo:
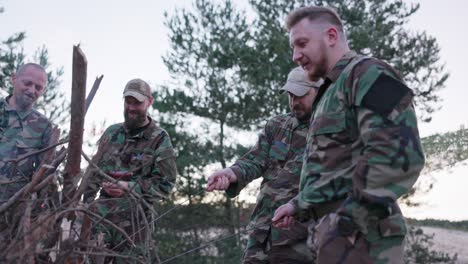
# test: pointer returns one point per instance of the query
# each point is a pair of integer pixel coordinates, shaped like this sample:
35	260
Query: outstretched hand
221	179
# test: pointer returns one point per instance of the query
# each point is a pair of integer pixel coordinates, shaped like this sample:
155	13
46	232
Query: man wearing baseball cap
277	157
138	154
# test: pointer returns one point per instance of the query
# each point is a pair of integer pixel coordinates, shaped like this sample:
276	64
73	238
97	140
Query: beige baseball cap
298	83
137	88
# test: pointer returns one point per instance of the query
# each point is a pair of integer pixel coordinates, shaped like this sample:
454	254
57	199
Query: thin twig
107	255
176	207
60	157
113	180
19	194
212	242
61	142
47	159
101	218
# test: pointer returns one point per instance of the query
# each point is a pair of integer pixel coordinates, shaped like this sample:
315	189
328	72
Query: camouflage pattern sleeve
94	180
160	182
391	157
252	165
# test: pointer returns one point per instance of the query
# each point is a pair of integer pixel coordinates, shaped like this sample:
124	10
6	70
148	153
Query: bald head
22	69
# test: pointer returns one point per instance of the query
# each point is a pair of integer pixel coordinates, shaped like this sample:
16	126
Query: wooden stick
72	168
93	91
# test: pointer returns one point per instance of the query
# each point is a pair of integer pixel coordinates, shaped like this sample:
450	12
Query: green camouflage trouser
265	253
384	242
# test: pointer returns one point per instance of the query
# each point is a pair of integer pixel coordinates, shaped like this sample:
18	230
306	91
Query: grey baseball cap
137	88
298	83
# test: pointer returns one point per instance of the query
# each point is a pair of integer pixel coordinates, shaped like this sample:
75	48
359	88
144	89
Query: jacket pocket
393	225
328	123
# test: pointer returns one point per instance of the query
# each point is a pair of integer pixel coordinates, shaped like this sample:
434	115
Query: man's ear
151	100
332	36
13	78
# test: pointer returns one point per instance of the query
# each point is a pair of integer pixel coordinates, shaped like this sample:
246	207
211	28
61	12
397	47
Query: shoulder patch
385	94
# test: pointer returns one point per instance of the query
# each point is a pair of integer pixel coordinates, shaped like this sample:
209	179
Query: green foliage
11	53
207	48
442	151
197	225
207	98
419	249
227	70
446	224
206	45
373	27
445	150
53	102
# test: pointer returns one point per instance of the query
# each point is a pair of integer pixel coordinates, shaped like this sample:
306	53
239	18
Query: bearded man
139	155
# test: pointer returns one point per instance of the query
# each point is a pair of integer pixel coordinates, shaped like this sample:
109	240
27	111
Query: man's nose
297	55
31	89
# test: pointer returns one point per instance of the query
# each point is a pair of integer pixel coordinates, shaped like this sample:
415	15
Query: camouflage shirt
363	143
277	157
21	132
147	155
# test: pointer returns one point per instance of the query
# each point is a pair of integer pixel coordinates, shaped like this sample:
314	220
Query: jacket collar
9	108
333	75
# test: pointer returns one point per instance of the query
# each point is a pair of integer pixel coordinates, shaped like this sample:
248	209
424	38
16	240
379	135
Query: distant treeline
456	225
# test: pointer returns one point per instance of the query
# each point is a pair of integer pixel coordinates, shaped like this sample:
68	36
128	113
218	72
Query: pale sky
126	39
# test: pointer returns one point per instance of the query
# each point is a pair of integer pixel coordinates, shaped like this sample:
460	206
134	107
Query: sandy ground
450	241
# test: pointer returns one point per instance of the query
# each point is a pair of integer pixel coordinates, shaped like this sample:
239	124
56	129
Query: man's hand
115	190
221	179
283	217
121	175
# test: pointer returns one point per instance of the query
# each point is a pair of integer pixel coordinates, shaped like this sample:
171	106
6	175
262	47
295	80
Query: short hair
23	67
314	13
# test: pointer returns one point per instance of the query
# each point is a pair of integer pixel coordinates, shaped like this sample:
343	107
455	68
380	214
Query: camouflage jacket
363	143
148	156
277	157
21	132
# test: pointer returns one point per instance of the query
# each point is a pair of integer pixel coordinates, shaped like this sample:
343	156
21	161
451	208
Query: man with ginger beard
277	157
363	148
140	158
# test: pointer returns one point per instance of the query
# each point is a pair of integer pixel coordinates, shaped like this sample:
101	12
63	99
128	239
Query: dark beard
316	76
322	66
304	117
134	122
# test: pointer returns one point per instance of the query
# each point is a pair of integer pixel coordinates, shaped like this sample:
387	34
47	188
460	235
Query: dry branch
72	168
36	226
92	93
